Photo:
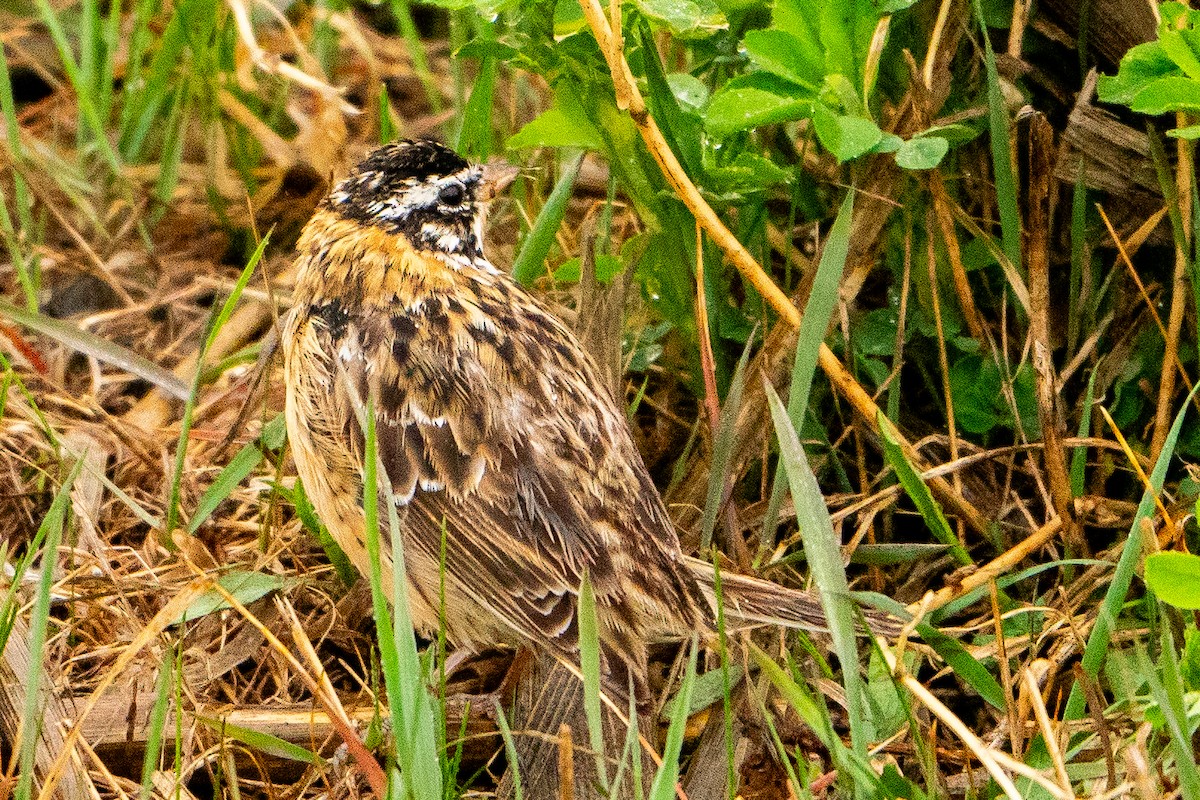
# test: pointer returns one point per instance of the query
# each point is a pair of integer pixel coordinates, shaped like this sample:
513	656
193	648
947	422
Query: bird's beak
496	178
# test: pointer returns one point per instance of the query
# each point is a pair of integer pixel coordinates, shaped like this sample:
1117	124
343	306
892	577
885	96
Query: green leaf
1181	46
874	333
1190	132
1025	399
890	143
1141	65
975	386
737	109
707	690
245	586
1175	578
780	53
564	124
475	135
839	92
925	152
796	18
846	28
1189	665
685	18
690	92
845	136
807	706
954	133
1172	93
888	709
896	785
234	473
487	48
274	433
749	172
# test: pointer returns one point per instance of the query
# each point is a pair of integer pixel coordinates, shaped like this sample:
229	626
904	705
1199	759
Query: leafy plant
1162	76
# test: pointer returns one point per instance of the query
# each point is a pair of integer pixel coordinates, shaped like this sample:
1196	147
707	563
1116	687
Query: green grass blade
1079	253
387	126
96	347
726	683
822	300
1098	642
402	10
308	518
1167	687
825	560
816	716
667	775
25	268
84	99
1001	139
189	406
531	259
510	749
1079	454
589	664
157	723
410	705
261	741
109	44
965	665
919	493
240	466
51	531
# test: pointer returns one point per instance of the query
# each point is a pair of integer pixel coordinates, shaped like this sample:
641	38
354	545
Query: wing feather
497	436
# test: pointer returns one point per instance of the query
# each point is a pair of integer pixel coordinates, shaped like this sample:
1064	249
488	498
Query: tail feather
749	601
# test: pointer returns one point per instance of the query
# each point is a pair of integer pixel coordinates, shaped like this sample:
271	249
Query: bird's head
425	192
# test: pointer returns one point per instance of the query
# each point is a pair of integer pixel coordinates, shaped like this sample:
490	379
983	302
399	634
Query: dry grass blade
160	622
1048	734
271	63
96	347
991	759
991	570
1041	212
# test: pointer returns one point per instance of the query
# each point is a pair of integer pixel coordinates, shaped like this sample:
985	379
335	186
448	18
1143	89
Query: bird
510	463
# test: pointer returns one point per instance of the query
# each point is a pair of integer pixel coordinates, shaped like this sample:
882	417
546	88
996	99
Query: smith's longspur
492	423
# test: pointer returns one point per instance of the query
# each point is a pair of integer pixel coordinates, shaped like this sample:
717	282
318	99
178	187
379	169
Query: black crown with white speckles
421	190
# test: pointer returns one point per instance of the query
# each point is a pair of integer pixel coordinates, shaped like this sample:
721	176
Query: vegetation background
981	418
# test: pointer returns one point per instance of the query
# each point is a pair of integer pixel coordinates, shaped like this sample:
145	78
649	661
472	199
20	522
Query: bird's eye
451	194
